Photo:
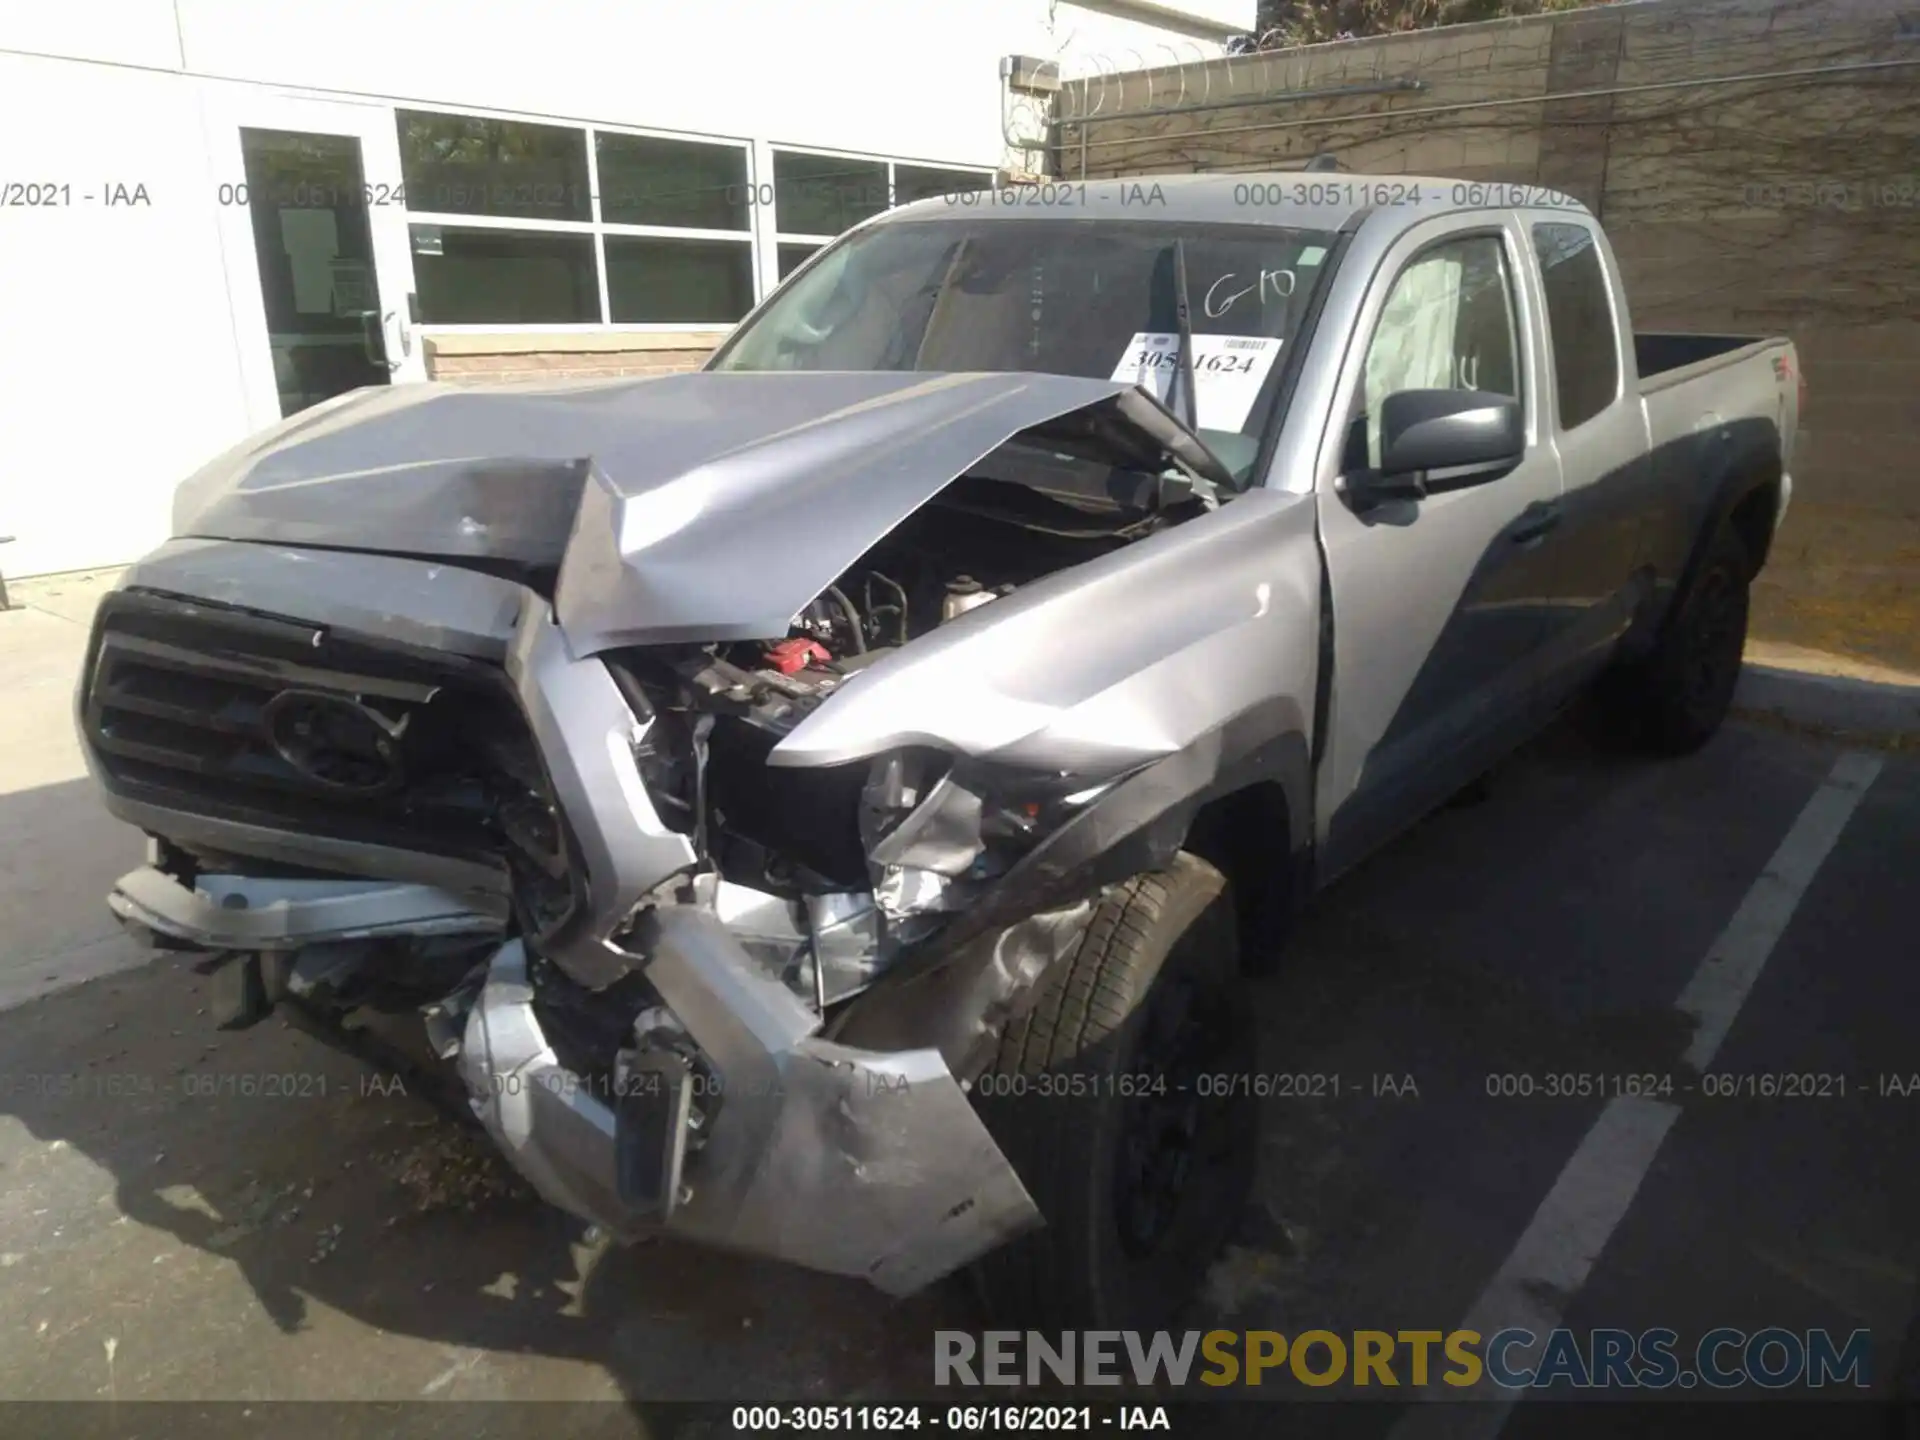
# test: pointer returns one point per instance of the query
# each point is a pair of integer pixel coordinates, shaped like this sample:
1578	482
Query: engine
887	613
721	709
781	842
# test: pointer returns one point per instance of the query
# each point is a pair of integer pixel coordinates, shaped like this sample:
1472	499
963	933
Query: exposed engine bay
813	868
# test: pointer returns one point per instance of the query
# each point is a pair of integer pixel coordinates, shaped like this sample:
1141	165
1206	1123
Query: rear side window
1586	367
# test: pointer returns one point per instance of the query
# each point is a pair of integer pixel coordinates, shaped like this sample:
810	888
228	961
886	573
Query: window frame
617	227
1516	315
595	226
1381	273
1610	289
1299	345
762	237
781	236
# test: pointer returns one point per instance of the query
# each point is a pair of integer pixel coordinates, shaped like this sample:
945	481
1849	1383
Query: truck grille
276	723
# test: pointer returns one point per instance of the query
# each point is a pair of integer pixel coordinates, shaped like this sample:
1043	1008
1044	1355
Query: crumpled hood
708	506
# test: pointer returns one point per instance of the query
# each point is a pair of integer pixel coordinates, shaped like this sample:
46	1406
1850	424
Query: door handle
406	335
373	337
1534	522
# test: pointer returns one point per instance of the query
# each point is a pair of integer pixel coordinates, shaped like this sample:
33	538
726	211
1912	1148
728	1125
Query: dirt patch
1844	580
446	1167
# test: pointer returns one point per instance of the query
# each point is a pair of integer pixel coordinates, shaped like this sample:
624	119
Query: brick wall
566	357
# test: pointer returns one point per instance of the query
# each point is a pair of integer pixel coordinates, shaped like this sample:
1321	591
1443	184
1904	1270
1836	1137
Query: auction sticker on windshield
1228	371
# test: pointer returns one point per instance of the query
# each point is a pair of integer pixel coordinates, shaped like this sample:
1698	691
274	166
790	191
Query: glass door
313	225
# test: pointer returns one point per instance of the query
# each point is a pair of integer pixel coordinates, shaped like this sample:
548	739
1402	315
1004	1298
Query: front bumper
239	912
848	1161
582	726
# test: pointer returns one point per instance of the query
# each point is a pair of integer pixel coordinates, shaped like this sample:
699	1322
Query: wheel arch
1752	518
1259	836
1745	498
1240	801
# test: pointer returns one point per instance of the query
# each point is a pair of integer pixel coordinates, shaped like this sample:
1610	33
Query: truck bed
1715	406
1659	353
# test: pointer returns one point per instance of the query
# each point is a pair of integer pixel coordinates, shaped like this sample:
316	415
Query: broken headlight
936	828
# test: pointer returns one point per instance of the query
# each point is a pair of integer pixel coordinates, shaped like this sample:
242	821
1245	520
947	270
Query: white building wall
114	32
118	367
836	73
120	339
912	77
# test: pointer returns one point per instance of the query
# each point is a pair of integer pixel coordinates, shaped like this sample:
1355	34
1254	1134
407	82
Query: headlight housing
937	827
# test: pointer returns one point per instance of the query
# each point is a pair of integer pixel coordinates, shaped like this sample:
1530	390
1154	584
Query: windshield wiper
1183	317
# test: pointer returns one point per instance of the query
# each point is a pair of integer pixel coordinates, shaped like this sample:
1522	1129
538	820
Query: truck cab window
1448	324
1586	366
965	293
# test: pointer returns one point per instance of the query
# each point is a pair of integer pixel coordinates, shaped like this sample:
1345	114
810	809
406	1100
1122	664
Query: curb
1869	711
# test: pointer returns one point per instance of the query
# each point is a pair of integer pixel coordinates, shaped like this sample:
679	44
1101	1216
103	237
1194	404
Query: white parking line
1537	1282
1720	986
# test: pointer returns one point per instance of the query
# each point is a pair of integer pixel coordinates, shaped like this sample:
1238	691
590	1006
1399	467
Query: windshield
1068	297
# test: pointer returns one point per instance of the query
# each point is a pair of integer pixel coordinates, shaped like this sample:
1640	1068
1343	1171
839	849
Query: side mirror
1432	441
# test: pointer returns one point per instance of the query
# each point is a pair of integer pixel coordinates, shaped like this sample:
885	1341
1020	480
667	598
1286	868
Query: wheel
1104	1098
1672	702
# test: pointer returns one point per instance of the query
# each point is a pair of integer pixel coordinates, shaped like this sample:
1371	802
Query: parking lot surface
176	1225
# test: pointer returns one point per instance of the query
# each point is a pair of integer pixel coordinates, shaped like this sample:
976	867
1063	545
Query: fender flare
1748	470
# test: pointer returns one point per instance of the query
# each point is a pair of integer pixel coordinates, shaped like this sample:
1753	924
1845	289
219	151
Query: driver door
1438	603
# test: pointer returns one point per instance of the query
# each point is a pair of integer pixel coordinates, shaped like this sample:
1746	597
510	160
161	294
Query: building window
644	181
817	196
792	257
467	276
825	194
464	165
521	222
693	281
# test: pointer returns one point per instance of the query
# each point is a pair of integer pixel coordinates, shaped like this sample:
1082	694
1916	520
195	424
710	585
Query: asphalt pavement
188	1214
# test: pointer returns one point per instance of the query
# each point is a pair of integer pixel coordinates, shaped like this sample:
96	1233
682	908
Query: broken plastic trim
240	912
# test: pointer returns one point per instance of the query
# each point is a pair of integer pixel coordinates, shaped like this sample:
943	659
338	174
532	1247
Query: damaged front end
643	1032
715	921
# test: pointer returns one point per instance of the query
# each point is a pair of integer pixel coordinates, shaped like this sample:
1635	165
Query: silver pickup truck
828	805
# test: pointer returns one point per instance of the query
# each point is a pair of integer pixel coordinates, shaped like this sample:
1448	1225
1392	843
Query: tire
1673	701
1151	999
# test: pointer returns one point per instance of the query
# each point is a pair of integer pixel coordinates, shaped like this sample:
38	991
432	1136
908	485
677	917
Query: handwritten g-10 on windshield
1277	284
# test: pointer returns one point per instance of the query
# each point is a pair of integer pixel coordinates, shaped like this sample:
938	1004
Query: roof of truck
1311	200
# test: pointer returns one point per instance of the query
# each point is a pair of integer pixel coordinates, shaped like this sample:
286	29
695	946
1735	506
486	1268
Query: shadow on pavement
1842	706
308	1197
334	1191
